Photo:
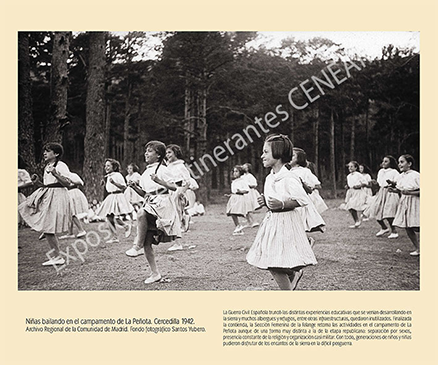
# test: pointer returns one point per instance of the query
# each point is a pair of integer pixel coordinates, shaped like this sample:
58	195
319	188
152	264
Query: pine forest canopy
98	94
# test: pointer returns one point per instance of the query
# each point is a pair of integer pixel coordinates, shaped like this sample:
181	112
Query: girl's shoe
67	236
152	279
382	232
175	247
238	229
393	235
113	240
81	234
255	224
415	253
54	261
134	251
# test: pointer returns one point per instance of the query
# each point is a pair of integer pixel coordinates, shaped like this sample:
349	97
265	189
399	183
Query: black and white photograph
218	160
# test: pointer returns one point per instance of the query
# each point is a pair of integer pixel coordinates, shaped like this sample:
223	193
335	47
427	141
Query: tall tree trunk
367	131
292	124
127	153
316	144
201	142
94	144
353	139
143	137
26	142
332	153
58	87
107	128
342	170
188	106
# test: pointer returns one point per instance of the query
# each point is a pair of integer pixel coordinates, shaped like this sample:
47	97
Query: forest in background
93	92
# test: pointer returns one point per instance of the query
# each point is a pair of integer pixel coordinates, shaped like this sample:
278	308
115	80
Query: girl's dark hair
249	166
176	150
281	146
301	156
366	169
114	163
134	167
392	162
312	167
409	158
238	168
56	148
158	147
355	164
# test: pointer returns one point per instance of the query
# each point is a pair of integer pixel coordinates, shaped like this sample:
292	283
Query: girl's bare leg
390	220
282	279
250	219
382	224
354	215
112	226
142	229
53	242
413	237
78	224
150	257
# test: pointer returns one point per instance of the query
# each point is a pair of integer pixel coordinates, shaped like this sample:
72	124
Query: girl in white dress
115	204
314	196
237	205
181	177
78	206
24	181
253	195
47	210
311	218
366	173
355	198
130	194
408	210
386	201
281	244
157	220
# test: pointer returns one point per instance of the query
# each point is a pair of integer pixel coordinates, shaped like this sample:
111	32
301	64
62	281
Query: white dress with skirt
253	194
115	203
281	240
355	198
78	201
385	203
23	178
181	173
160	203
130	194
311	217
238	204
48	210
408	211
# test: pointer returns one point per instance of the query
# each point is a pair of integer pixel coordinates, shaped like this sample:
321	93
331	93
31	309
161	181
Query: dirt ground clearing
213	259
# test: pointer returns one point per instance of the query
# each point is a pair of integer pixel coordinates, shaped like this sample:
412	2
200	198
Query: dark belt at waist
54	185
116	192
72	187
158	192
